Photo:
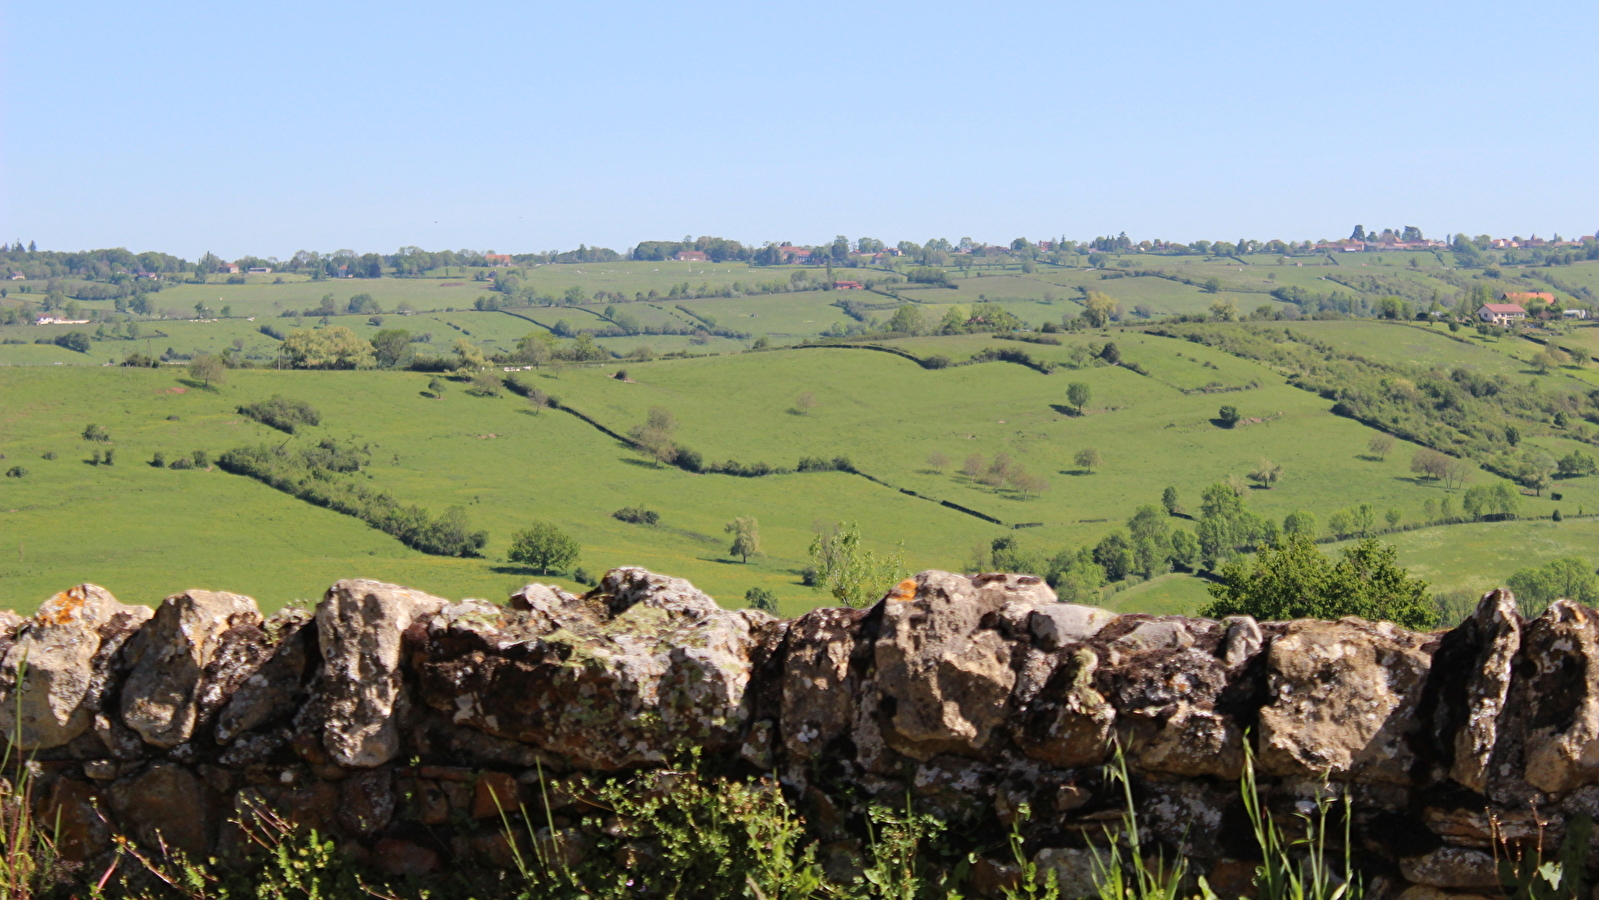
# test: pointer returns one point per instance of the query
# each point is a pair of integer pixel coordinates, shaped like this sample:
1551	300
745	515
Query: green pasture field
131	526
507	466
1480	556
1423	345
1173	594
273	299
888	415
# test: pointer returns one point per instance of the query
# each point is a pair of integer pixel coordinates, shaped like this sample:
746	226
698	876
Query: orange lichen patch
905	590
63	607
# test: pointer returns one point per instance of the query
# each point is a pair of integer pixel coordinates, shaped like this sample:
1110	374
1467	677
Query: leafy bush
16	472
282	413
73	340
637	515
1294	580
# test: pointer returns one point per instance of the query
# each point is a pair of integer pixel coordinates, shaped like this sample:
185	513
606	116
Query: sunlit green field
507	466
147	532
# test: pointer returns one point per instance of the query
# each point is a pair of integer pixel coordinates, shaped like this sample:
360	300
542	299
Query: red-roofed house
1501	313
691	256
848	286
792	254
497	259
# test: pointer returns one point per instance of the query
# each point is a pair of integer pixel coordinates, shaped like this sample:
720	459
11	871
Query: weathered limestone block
1168	711
1451	867
1243	639
1054	625
819	688
168	658
1561	737
76	815
271	688
1069	723
643	666
1343	698
56	671
166	803
1494	631
360	628
1076	871
942	665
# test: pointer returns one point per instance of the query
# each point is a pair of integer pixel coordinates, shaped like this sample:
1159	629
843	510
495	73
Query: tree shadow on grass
514	569
641	463
195	385
1063	409
713	559
1075	472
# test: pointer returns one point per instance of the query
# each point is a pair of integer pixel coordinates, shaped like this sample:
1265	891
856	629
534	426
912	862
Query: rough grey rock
1069	724
170	655
1155	634
819	690
54	674
1055	625
1343	698
642	663
1243	639
262	690
946	671
1496	631
1562	719
166	803
360	626
1451	867
1075	870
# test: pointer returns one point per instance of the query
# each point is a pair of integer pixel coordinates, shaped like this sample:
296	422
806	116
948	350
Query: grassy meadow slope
507	466
141	530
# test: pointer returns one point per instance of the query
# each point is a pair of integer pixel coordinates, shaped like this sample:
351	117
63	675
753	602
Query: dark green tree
1078	394
761	598
544	547
392	347
1294	580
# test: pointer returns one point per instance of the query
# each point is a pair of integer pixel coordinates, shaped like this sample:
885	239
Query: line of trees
313	474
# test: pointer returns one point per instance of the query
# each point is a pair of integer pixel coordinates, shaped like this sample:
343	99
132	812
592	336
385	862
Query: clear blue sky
515	126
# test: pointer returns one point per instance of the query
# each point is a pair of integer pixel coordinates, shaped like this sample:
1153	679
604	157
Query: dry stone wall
403	723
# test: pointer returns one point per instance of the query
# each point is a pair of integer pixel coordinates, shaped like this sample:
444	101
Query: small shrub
202	459
761	598
159	460
582	576
637	515
486	384
182	462
49	454
937	361
16	472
